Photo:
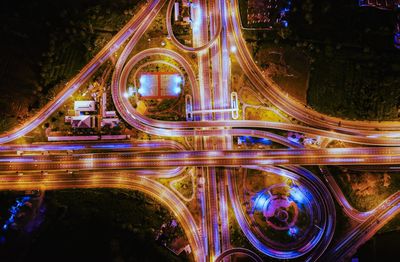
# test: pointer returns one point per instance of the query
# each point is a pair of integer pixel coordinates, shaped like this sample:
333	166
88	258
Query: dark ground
354	66
91	225
356	73
382	248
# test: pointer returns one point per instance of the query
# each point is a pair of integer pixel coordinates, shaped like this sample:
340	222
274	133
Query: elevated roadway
220	158
134	145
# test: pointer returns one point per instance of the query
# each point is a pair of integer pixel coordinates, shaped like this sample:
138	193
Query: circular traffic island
282	214
285	214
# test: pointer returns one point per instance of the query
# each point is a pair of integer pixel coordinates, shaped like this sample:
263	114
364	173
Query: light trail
208	242
204	46
124	180
221	158
318	241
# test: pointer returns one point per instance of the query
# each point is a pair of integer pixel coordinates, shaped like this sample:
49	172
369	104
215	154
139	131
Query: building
176	11
82	121
268	13
110	114
85	106
111	122
179	245
103	103
186	20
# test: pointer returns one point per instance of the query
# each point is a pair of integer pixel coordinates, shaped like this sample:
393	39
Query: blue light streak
260	200
250	139
17	160
297	195
397	40
111	146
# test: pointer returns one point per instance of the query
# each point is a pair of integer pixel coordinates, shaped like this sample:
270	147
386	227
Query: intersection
212	155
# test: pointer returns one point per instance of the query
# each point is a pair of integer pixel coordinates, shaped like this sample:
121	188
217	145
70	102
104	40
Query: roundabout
284	214
279	211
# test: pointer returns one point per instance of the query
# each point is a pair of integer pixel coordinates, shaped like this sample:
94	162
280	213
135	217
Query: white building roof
110	114
85	106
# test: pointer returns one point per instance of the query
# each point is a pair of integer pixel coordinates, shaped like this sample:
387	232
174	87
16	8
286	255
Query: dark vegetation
94	225
354	66
370	187
356	72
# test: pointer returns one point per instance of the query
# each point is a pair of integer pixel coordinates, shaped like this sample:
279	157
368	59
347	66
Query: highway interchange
134	164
